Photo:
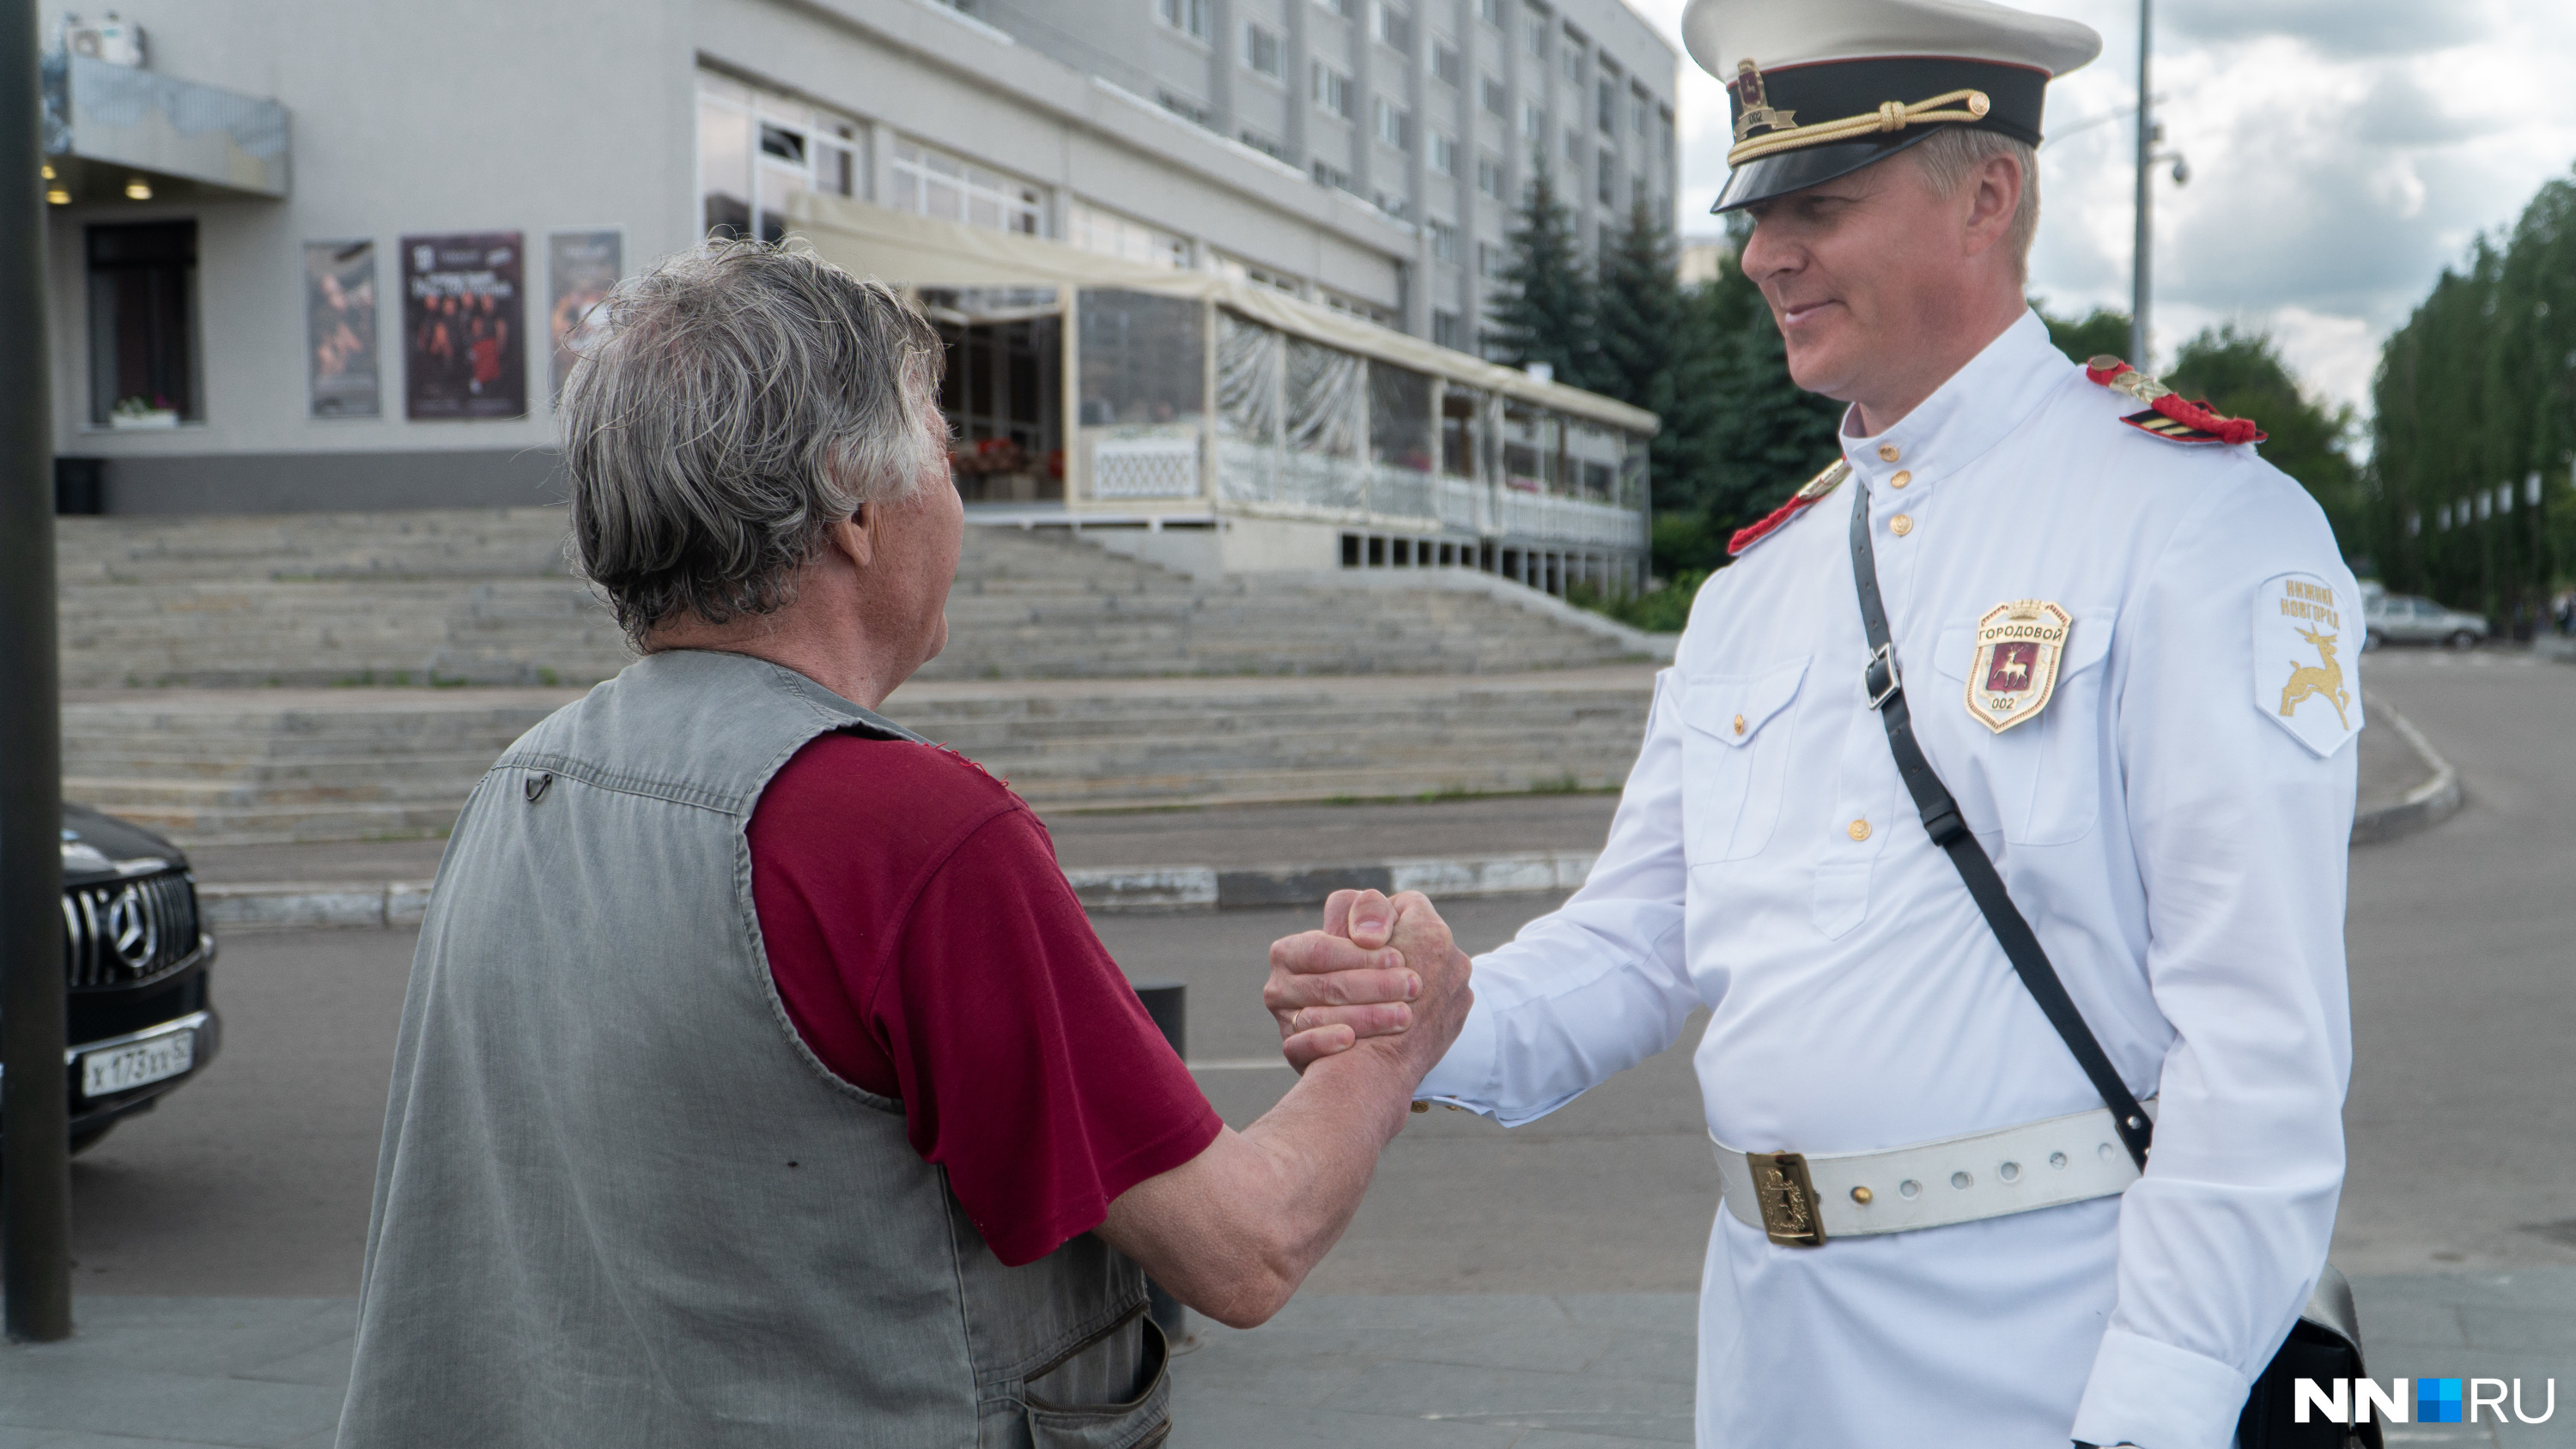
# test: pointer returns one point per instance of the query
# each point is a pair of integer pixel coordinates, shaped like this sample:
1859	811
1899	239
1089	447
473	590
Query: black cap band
1778	106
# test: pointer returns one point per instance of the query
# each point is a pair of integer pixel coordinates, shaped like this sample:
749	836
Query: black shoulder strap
1941	817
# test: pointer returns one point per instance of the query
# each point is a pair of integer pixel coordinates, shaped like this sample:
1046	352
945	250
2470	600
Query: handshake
1381	971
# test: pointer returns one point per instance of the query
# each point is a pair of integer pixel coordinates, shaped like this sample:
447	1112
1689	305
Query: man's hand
1378	968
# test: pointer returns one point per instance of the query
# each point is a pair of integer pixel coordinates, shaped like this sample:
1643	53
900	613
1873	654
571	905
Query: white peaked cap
1773	33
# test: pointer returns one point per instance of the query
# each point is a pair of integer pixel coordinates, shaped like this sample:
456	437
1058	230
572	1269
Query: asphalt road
254	1181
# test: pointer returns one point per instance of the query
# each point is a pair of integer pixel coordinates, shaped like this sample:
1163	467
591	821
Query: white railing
1156	467
1280	483
1570	520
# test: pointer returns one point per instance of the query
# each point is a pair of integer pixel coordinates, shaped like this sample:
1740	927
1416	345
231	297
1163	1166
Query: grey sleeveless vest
620	1203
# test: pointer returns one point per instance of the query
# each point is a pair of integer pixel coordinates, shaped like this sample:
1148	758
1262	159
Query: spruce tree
1544	310
1637	307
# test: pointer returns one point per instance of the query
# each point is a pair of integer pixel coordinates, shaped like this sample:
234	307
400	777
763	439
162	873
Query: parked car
136	956
2406	619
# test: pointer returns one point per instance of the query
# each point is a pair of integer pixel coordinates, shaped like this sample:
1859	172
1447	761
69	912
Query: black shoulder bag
2325	1343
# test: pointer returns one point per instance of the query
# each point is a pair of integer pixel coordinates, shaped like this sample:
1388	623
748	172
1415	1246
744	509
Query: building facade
310	256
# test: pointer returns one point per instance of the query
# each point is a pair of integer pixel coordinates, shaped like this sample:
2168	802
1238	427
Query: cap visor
1765	177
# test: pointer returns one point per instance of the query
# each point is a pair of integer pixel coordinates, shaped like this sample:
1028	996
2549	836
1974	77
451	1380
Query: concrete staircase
202	655
484	597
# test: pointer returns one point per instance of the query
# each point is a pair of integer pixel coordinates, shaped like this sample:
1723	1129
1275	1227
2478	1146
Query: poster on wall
581	267
340	328
465	350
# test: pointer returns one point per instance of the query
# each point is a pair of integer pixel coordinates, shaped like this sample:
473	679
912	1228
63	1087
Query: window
1394	123
1533	121
934	183
1497	99
1338	7
1189	17
1444	154
1490	260
1664	133
1638	98
1447	64
1444	240
757	148
1535	31
1392	27
1448	329
1491	12
1394	204
1573	143
1571	53
1188	108
1260	51
1333	176
1608	177
1489	174
1608	108
1267	145
1111	235
1332	90
143	324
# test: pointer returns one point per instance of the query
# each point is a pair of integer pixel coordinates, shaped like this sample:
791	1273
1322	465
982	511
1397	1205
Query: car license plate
118	1069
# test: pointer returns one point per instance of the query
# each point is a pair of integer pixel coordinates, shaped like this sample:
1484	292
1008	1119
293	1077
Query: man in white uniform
2126	642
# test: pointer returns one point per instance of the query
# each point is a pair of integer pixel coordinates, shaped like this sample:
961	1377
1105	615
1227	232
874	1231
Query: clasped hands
1382	970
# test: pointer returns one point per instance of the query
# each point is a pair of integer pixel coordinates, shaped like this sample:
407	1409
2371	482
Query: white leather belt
1805	1202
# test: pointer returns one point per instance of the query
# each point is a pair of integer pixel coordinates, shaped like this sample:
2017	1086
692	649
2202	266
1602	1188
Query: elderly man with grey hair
761	1081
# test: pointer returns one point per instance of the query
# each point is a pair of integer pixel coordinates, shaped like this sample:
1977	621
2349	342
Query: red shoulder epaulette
1799	502
2167	415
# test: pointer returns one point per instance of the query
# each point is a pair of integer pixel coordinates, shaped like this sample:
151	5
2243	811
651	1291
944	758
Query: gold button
1900	525
1739	724
1901	479
1860	830
1862	1195
1887	452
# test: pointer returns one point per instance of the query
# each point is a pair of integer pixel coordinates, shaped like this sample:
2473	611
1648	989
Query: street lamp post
2139	275
35	1186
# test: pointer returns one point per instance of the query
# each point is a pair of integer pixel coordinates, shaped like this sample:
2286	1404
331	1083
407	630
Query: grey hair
742	400
1954	151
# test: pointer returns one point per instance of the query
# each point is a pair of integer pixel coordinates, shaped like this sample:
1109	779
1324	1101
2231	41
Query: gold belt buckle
1787	1197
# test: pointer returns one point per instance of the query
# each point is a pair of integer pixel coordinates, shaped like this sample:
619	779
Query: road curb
1171	889
1114	890
2429	804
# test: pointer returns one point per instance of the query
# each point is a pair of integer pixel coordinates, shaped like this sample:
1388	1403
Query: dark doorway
142	325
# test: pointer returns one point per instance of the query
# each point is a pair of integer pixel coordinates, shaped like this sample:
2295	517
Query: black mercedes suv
136	956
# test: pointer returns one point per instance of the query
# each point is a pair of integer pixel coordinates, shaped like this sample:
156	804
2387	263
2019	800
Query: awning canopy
918	251
108	126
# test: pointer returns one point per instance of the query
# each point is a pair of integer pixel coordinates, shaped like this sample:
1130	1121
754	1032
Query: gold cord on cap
1890	116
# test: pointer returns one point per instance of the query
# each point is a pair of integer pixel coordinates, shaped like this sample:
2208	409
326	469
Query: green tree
1544	310
2241	375
2100	333
1637	306
2474	411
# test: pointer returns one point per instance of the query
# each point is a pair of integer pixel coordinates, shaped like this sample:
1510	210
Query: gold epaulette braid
1890	116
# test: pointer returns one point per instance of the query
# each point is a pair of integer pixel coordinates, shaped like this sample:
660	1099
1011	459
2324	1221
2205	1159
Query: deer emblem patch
2015	672
2298	617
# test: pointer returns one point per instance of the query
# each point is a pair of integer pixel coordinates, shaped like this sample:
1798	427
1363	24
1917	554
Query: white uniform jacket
2174	825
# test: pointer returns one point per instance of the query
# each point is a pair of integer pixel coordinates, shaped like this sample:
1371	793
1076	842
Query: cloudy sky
2342	153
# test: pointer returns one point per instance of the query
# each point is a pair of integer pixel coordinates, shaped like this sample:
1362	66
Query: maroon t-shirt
928	948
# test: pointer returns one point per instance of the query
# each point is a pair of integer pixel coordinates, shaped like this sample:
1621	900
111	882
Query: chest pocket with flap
2040	783
1736	732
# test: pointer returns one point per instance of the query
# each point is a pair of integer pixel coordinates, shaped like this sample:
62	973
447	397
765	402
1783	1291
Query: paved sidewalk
1502	1371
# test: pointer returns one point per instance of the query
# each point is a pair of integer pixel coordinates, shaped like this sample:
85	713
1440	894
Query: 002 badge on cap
2299	678
2019	646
